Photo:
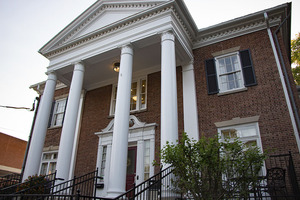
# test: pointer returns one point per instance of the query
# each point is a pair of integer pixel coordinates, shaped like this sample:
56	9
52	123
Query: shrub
209	169
35	185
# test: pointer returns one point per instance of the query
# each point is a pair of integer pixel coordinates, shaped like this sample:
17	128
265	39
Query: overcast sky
26	25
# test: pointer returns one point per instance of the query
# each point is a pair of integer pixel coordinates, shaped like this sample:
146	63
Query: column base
114	194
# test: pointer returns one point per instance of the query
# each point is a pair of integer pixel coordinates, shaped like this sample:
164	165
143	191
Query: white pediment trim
134	123
72	38
76	33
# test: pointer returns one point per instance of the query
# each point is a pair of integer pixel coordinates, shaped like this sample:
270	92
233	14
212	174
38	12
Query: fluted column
190	102
117	175
40	128
169	113
69	125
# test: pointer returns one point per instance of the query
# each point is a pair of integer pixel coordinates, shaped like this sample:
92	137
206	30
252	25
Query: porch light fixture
116	66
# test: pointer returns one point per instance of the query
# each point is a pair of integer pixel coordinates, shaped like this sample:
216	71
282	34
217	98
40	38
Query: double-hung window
48	164
57	114
138	96
229	72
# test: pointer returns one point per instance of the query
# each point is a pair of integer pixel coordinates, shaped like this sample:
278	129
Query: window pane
44	169
60	106
52	167
58	119
143	94
248	132
146	159
228	64
102	169
133	96
46	156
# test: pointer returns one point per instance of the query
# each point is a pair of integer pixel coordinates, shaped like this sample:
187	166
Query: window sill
54	127
233	91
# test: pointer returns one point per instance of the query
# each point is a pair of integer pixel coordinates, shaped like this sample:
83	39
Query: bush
209	169
35	185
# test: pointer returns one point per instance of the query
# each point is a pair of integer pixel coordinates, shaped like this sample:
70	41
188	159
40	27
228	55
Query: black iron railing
156	187
10	179
280	182
85	184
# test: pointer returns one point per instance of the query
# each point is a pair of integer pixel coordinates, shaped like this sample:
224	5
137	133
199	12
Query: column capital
79	66
127	49
188	66
51	75
168	35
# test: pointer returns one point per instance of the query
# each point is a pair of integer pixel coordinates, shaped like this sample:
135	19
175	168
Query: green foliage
209	169
295	58
35	185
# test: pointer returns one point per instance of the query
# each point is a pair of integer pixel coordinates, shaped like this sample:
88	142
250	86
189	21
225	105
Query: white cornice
239	26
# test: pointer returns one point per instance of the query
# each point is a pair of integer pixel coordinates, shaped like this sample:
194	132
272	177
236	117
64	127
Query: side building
125	77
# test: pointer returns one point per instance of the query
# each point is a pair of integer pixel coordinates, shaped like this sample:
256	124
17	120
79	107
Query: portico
151	39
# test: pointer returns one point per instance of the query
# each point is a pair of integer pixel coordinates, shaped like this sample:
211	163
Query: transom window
138	96
48	164
229	72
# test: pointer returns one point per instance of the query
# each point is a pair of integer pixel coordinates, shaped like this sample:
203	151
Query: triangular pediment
101	14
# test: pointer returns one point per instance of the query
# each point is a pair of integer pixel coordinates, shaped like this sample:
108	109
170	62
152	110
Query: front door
131	168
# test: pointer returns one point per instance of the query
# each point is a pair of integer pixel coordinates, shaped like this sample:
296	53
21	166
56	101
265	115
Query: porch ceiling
99	69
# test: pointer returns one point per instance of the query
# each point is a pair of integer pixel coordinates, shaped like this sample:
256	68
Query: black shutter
247	67
211	76
62	123
51	114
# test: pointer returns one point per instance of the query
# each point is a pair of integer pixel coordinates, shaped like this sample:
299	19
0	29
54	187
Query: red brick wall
12	151
266	99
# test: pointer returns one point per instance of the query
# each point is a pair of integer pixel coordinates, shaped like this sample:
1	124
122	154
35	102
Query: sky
26	25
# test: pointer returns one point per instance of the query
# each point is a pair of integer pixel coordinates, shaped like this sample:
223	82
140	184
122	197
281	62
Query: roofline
241	25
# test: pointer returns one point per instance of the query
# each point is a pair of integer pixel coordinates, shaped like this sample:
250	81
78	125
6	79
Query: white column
117	176
40	128
69	125
169	115
189	102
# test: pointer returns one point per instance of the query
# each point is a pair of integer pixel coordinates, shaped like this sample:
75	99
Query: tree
295	58
209	169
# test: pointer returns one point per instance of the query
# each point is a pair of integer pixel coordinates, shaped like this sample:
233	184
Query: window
103	161
138	96
248	134
146	159
48	164
229	72
57	113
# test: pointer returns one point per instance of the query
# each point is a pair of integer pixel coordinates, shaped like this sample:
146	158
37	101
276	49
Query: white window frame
48	161
237	71
55	113
138	101
239	129
103	161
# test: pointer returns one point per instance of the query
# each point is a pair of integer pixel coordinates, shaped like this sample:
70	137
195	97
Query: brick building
12	152
127	76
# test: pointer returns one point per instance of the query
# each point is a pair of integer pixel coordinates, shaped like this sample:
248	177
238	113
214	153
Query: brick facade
265	100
